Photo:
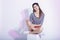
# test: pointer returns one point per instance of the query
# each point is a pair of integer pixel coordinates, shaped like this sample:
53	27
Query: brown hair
40	11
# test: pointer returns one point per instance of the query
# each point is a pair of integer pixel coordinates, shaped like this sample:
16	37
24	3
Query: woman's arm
30	25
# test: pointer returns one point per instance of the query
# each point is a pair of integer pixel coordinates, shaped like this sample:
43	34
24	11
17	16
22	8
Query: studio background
11	16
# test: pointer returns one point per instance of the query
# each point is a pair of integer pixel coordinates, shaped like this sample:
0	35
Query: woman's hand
33	26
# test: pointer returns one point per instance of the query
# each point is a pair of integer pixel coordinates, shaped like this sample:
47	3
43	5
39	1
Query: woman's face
35	7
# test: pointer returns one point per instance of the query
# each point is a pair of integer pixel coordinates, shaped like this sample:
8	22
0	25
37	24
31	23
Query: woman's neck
37	12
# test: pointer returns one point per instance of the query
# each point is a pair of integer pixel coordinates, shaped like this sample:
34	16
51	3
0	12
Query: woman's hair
40	11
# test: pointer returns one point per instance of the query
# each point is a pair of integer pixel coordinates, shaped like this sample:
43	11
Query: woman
36	19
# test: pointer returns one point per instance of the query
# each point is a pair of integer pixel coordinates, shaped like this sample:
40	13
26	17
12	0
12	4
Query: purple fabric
17	36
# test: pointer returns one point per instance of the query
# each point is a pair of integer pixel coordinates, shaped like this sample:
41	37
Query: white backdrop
10	16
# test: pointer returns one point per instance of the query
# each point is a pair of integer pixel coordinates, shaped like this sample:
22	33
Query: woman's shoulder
31	14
